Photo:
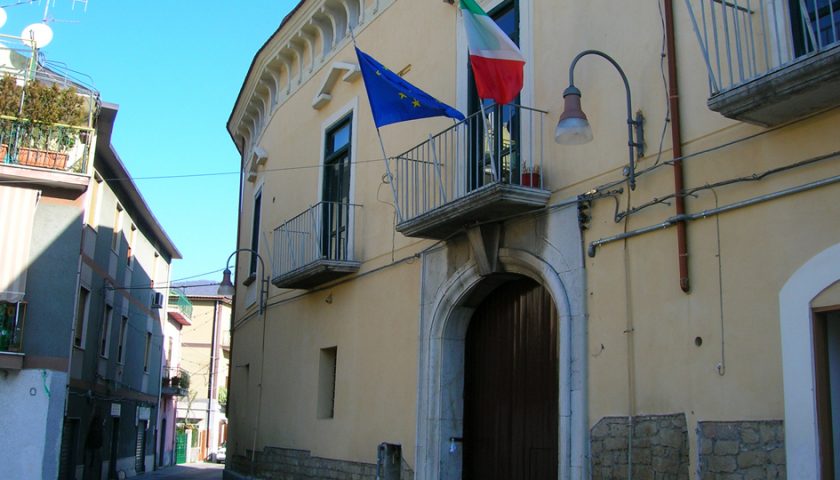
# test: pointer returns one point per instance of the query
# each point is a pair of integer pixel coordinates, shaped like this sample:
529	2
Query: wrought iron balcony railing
51	146
181	303
316	246
744	39
175	381
484	164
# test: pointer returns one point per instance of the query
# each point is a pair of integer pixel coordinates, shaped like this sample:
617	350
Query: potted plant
40	131
531	176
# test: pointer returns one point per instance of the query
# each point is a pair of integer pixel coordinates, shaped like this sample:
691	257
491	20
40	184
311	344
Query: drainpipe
676	141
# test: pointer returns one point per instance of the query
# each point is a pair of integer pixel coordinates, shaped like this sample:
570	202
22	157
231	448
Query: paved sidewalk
194	471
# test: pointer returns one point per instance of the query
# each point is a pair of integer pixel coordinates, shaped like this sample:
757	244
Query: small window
121	347
105	332
132	236
115	240
81	317
255	232
95	195
326	382
147	355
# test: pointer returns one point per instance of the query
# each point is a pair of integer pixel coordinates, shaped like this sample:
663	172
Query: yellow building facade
678	330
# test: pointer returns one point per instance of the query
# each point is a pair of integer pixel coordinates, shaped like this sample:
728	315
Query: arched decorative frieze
264	95
287	67
354	13
325	29
296	47
306	41
338	12
273	71
309	43
252	119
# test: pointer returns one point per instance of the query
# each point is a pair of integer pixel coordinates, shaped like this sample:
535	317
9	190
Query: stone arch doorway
511	384
447	311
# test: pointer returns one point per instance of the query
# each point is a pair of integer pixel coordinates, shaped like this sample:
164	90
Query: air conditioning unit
157	300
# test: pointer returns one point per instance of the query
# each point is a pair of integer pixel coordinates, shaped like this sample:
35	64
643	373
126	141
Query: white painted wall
29	445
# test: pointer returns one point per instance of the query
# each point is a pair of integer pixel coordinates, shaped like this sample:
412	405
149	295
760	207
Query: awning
17	213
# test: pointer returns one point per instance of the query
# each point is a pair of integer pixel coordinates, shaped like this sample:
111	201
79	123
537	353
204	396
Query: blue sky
175	68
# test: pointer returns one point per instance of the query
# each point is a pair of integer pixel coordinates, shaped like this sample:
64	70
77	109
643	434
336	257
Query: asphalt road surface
194	471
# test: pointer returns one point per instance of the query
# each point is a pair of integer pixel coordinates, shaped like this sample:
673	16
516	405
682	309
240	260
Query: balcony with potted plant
44	127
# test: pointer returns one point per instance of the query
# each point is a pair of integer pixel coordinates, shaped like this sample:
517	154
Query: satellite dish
39	33
3	17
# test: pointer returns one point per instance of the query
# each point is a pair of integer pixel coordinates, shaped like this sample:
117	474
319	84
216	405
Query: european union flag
393	100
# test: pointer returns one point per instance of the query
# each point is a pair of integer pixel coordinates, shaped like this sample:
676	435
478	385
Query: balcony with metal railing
175	381
316	246
178	302
483	169
769	61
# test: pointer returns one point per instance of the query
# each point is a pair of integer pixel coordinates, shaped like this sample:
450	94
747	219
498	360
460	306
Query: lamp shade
573	127
226	287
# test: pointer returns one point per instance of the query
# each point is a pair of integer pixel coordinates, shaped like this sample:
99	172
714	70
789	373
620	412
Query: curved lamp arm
635	132
226	286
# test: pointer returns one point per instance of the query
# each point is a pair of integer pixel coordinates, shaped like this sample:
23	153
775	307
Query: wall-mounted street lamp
227	289
574	129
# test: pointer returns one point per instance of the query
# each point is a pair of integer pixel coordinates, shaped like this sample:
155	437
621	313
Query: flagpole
384	154
390	177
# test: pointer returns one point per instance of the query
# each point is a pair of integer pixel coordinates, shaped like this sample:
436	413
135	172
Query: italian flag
496	61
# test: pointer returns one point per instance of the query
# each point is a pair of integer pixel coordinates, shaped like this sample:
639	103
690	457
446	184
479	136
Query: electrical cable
699	153
749	178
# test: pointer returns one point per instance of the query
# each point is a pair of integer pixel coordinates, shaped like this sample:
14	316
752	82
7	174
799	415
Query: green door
180	447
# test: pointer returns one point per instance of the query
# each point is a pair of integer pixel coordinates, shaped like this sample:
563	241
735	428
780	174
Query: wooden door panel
511	386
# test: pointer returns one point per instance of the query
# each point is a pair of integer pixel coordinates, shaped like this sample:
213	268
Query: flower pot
531	179
41	158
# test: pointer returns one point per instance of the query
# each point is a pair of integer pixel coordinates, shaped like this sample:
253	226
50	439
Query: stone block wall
289	464
659	448
745	450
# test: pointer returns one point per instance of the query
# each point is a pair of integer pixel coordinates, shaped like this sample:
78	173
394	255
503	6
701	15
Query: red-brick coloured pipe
676	141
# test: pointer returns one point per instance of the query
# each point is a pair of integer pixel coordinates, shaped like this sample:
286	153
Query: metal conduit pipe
676	219
676	141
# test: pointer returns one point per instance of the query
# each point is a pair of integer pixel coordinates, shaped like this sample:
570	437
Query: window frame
335	222
117	232
147	354
81	320
256	225
105	331
801	43
132	238
122	346
327	375
95	202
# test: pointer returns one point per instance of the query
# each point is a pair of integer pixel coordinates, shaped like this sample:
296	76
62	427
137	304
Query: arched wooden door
511	386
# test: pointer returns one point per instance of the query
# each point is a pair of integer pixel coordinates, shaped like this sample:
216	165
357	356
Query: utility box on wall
388	461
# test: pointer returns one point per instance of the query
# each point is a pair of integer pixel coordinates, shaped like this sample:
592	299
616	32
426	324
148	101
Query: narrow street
196	471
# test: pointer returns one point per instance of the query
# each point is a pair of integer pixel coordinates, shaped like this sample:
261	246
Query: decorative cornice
308	39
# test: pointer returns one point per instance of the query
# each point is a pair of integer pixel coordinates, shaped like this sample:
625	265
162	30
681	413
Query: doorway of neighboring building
162	440
140	450
827	373
115	439
67	455
511	385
